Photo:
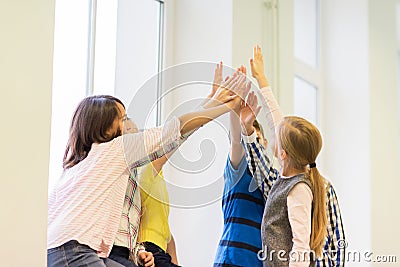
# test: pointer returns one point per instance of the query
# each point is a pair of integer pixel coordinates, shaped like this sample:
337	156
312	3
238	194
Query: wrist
211	103
248	130
262	81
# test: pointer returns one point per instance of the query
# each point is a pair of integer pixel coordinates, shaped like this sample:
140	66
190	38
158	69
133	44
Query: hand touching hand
242	70
227	91
241	90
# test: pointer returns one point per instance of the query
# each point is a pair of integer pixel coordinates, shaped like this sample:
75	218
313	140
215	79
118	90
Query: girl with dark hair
85	206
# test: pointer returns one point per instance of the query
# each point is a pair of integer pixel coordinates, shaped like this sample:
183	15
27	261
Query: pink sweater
86	203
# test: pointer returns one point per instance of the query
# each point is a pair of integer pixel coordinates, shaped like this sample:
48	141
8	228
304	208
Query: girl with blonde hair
294	225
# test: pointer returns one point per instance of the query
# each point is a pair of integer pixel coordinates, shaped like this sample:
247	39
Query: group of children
293	218
100	216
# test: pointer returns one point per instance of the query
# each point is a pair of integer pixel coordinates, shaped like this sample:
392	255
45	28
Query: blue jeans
73	254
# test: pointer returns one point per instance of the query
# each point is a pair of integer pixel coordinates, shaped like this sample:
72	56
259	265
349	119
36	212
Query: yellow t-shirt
154	225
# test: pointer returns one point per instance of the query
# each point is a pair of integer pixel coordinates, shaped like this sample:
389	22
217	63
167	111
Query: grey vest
276	232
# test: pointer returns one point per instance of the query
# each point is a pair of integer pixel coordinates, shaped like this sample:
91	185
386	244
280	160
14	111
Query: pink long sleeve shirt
86	203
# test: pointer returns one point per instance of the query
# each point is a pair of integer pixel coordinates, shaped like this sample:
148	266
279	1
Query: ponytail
319	219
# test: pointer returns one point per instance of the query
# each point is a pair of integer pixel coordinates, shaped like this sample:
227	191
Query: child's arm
299	202
274	114
258	162
237	152
171	250
335	250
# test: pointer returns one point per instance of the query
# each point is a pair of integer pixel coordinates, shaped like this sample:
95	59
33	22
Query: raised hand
242	69
249	112
240	95
226	92
257	67
217	79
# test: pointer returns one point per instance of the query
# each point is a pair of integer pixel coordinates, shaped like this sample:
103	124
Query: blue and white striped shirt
243	210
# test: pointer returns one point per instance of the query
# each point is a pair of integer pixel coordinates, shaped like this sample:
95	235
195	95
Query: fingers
230	81
237	84
149	263
257	111
147	258
250	99
217	76
242	69
247	89
241	83
218	71
257	54
252	104
243	89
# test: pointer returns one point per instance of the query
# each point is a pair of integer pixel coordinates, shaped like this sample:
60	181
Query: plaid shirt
265	175
130	218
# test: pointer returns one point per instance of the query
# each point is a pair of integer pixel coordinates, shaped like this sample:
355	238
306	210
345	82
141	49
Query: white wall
384	128
346	108
197	31
27	29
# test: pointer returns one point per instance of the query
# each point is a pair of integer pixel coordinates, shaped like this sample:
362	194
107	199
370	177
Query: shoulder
297	180
232	171
301	189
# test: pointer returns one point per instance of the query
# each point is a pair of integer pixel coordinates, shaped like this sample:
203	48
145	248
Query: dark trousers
121	255
161	258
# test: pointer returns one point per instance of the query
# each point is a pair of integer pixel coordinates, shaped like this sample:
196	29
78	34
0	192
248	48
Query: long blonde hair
302	142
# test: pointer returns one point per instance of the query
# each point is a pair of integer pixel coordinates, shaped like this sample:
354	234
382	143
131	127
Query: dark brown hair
90	123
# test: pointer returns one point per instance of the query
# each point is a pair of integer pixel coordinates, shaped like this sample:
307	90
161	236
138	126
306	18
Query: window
69	75
305	95
92	56
104	44
305	35
307	80
139	58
